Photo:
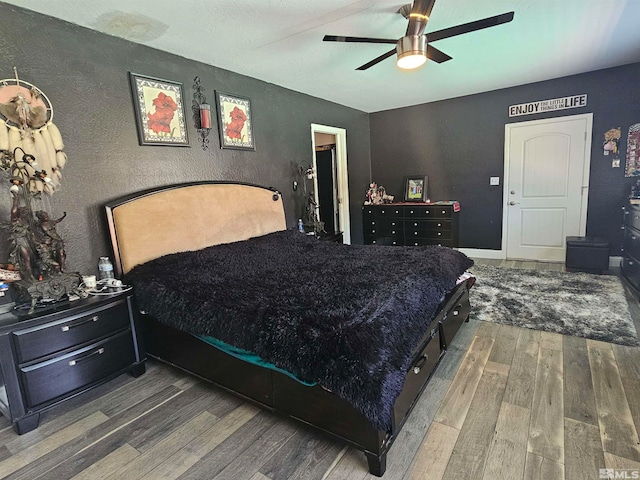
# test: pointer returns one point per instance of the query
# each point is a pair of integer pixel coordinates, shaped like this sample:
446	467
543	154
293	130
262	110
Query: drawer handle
99	351
439	224
393	231
455	313
633	237
418	366
439	233
444	211
69	326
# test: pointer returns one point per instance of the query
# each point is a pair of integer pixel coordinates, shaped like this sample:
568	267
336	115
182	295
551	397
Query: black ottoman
587	254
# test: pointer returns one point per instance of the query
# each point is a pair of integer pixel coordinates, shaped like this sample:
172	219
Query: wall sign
541	106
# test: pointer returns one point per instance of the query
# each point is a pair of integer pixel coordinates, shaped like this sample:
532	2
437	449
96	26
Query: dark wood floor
506	403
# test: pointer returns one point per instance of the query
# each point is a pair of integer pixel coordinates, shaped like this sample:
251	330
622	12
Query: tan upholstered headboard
190	216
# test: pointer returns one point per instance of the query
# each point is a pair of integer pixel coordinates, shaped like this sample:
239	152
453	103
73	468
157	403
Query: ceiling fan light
412	51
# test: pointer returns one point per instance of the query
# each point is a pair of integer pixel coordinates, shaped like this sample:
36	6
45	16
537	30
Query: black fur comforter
345	316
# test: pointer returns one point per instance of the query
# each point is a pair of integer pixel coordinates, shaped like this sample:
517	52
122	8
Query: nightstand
51	356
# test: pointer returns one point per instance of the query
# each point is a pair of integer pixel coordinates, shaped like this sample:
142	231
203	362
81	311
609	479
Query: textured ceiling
280	41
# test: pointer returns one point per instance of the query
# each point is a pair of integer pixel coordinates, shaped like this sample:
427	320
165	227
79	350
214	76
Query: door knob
514	203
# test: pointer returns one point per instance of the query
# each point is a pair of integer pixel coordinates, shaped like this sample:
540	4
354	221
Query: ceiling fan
415	47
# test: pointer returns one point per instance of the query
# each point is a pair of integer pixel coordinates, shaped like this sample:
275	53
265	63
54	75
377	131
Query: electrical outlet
494	181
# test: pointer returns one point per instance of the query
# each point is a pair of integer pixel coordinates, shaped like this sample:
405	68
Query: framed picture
415	188
159	108
235	122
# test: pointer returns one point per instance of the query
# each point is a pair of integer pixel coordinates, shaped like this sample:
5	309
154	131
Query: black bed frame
312	405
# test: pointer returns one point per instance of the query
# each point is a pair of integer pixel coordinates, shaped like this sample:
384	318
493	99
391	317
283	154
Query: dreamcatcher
26	123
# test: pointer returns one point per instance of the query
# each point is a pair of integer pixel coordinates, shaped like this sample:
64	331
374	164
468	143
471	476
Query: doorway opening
330	184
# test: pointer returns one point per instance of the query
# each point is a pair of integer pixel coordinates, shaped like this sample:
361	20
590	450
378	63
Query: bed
341	337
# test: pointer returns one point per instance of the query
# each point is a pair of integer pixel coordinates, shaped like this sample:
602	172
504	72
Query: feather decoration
29	146
58	144
56	178
42	155
48	188
4	136
61	159
51	150
14	138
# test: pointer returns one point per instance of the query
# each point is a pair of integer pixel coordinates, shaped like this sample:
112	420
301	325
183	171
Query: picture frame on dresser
415	188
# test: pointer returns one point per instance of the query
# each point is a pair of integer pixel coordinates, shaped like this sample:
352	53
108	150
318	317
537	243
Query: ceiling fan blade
336	38
377	60
469	27
419	16
436	55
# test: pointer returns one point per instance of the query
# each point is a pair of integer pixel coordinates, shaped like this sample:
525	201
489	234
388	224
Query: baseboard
614	262
483	253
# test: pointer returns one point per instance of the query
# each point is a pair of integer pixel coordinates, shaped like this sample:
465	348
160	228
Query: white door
546	187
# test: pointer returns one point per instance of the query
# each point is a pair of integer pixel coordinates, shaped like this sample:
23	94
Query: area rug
578	304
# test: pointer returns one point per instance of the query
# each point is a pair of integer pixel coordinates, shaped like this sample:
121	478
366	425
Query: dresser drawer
384	226
386	212
443	212
444	242
632	242
53	337
440	225
454	318
48	380
415	212
437	234
632	216
368	213
419	372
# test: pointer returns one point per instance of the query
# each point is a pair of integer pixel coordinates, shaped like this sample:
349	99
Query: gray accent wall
85	75
459	144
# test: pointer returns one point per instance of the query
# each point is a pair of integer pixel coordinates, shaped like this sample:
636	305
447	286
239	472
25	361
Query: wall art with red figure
235	122
159	108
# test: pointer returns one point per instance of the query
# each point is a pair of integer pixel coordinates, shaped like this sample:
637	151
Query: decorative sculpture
36	250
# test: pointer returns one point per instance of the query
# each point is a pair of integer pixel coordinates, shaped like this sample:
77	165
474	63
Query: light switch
494	181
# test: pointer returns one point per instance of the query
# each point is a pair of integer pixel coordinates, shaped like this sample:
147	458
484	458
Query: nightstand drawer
46	339
48	380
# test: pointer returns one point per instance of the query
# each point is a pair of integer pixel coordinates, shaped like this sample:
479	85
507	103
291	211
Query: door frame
585	172
342	175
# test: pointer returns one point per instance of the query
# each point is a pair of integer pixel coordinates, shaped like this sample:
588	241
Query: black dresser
630	265
411	224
